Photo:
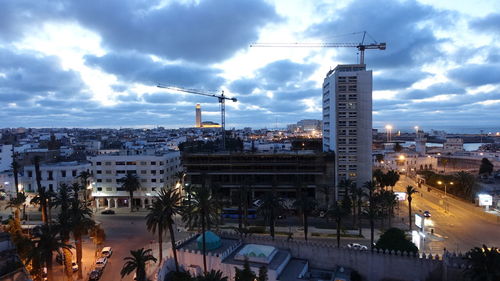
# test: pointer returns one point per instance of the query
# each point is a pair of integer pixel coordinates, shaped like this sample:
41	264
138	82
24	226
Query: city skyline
67	64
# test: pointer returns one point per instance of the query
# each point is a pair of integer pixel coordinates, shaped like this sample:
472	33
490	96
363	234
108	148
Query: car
108	212
101	262
356	246
106	252
74	266
427	214
95	275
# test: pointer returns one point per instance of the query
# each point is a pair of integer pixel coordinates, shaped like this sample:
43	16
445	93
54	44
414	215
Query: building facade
154	169
347	121
53	175
5	157
283	170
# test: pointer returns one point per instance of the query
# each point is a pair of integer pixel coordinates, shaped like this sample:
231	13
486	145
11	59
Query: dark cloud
487	24
134	67
283	73
36	74
208	31
476	74
401	24
397	79
243	86
431	91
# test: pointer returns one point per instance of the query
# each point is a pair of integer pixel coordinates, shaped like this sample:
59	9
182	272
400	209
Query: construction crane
360	46
222	101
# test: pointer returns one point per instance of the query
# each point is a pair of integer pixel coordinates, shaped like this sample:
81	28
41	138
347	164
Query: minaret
198	115
420	141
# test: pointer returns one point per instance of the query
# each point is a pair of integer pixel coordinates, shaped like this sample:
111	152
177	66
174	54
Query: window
120	163
143	172
153	180
153	188
153	162
144	180
51	187
99	189
109	189
143	163
353	79
108	163
162	163
131	163
120	172
351	105
63	174
50	176
98	163
153	172
162	171
98	172
109	180
99	180
30	174
342	88
108	172
73	173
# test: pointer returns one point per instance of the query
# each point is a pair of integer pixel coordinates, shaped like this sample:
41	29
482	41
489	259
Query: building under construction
285	170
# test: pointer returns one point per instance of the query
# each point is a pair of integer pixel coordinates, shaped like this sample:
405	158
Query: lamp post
445	194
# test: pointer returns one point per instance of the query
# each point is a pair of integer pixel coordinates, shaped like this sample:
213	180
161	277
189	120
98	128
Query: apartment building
53	175
347	121
5	157
154	169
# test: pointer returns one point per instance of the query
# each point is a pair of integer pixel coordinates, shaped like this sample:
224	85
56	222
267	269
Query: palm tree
410	190
81	222
242	197
16	203
130	183
372	208
63	200
466	183
392	177
483	264
84	177
42	194
305	205
47	242
203	211
212	275
271	206
337	212
15	169
137	262
326	191
180	177
161	216
358	194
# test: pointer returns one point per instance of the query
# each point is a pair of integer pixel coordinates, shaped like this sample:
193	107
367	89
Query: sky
96	63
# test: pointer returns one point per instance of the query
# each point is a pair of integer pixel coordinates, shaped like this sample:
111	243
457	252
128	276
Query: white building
154	169
53	175
347	121
453	145
5	157
407	162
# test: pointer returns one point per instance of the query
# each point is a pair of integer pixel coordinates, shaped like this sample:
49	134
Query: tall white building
347	121
5	157
154	169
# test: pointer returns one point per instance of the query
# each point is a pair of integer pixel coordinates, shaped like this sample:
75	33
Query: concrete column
143	202
129	203
116	202
108	201
97	203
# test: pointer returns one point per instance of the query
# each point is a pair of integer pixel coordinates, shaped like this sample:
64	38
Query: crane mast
222	102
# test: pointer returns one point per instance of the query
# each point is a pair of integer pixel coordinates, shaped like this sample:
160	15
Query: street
457	230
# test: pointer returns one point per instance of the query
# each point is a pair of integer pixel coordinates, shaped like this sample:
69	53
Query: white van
106	252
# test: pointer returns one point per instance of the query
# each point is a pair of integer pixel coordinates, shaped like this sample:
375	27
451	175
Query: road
456	229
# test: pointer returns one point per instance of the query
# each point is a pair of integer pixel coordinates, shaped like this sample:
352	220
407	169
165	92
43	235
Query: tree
262	274
130	183
84	177
305	206
378	175
466	184
212	275
337	212
391	178
326	191
42	194
203	211
486	167
41	199
484	264
63	200
394	239
15	204
245	274
137	262
398	147
387	200
410	190
372	208
47	242
271	206
161	216
242	197
81	222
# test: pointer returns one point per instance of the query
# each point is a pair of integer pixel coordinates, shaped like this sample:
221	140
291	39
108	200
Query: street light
388	129
445	198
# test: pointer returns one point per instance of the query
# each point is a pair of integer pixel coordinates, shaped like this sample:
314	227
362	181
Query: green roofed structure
212	241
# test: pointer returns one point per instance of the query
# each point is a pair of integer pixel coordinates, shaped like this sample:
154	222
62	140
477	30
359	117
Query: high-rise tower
198	115
347	121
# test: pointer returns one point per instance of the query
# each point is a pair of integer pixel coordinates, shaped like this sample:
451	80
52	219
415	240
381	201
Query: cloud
32	74
488	24
476	74
397	79
431	91
243	86
403	25
134	67
204	32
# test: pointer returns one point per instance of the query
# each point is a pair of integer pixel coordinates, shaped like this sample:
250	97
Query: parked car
101	263
427	214
356	246
108	212
74	266
106	252
95	275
